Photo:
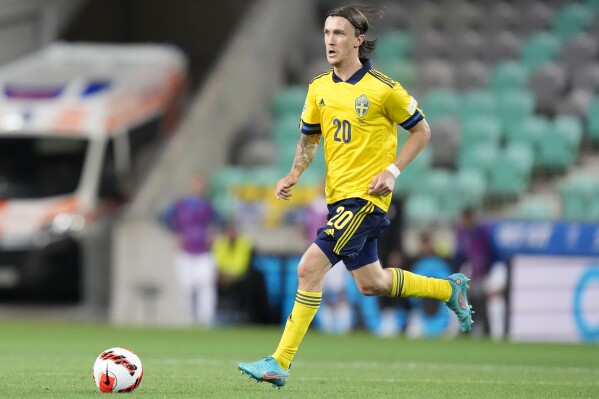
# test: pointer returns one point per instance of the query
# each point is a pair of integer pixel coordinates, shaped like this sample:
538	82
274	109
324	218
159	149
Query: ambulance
80	125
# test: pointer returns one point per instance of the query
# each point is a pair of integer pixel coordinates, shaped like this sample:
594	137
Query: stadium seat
578	197
508	75
412	177
471	74
533	209
436	74
478	102
480	129
538	49
445	141
555	151
468	44
528	132
575	103
439	103
393	46
548	83
592	119
286	128
539	15
472	185
502	46
508	176
581	49
289	101
571	20
402	71
514	106
586	77
571	128
421	210
479	157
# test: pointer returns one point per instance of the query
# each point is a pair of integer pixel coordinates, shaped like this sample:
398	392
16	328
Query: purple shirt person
191	218
474	246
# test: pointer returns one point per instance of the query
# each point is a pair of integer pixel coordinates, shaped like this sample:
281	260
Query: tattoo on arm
305	152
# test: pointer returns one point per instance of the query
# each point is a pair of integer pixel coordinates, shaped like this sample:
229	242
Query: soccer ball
118	370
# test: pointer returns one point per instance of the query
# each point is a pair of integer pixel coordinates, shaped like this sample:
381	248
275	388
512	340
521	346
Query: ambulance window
109	184
35	167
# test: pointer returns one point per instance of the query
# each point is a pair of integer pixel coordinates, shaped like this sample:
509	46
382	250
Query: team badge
362	104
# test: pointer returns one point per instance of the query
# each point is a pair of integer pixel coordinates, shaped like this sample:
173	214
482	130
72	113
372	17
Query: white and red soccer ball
118	370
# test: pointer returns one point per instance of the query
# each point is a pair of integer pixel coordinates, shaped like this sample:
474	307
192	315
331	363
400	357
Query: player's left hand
382	184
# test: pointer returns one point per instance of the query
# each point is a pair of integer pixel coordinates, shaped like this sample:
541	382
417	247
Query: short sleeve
402	108
310	120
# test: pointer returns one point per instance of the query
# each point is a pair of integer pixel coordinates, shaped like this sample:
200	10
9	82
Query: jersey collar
358	75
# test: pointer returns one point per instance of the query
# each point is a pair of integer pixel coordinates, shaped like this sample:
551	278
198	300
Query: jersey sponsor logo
330	232
362	104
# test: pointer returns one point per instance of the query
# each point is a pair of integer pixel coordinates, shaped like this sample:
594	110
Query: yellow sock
407	284
304	309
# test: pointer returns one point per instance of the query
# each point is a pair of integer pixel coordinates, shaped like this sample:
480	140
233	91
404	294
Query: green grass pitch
54	360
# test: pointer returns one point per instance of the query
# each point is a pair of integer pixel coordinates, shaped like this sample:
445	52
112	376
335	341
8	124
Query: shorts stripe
353	226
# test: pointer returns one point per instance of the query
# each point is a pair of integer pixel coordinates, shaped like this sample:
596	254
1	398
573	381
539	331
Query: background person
192	219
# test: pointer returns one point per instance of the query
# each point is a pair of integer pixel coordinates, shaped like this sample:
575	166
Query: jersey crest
362	104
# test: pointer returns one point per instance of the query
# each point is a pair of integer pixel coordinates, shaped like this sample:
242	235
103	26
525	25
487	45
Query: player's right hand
283	190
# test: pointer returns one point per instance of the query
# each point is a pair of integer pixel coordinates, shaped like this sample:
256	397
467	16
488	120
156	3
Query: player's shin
304	310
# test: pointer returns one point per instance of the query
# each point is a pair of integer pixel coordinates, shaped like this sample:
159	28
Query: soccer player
354	109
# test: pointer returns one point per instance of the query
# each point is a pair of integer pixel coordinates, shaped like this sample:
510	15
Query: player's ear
359	40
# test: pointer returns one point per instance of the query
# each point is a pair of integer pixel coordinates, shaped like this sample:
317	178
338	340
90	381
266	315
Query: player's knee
369	288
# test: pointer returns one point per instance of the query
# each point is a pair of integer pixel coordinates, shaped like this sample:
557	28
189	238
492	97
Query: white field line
490	368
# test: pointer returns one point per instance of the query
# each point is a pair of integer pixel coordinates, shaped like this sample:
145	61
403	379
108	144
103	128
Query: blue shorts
351	232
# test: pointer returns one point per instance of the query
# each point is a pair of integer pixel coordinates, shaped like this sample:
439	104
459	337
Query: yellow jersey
357	119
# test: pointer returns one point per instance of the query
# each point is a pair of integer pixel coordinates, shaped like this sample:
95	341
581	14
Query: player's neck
345	71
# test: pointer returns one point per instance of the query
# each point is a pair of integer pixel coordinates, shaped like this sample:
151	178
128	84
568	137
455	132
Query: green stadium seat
393	46
592	119
478	102
514	106
521	155
402	71
480	129
508	75
528	132
571	20
571	127
289	101
538	49
412	178
533	209
472	186
480	157
555	151
508	179
579	198
440	103
421	210
286	129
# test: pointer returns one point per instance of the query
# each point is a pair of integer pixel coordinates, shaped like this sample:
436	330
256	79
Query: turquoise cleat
267	370
458	302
